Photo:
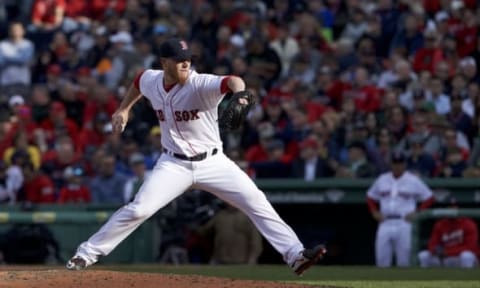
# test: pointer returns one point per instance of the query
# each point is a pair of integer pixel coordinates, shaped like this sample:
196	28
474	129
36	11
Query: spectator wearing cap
124	58
327	84
16	56
58	123
74	190
22	121
108	185
418	161
132	186
453	242
15	102
38	187
313	162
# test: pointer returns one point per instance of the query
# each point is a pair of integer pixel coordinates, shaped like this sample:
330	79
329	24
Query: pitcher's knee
467	259
139	213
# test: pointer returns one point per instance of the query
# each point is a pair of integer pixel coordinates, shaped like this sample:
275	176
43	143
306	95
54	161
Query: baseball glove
235	113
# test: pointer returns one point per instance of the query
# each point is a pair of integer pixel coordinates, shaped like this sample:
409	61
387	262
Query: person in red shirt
48	14
74	191
427	57
58	124
453	243
101	100
365	95
37	187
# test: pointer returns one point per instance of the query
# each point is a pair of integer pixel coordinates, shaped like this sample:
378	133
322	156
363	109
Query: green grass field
339	276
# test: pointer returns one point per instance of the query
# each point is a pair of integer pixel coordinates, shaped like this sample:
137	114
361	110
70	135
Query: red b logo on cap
184	45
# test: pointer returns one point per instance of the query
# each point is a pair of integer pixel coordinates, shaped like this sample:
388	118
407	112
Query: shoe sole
312	261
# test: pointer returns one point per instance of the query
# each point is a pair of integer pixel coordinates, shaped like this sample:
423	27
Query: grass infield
339	276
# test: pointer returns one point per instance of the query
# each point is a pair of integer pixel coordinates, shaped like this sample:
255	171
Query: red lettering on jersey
160	115
194	114
178	116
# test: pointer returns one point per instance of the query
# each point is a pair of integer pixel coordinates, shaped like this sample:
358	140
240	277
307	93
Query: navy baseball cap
176	49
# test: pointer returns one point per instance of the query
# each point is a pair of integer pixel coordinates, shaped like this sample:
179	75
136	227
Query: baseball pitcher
186	106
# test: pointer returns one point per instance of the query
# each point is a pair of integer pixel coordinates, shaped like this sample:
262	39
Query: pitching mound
96	278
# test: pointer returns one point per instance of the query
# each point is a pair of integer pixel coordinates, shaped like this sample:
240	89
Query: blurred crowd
340	86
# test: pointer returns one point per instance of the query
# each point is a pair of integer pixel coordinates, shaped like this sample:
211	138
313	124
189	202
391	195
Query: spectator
38	187
74	191
21	144
313	163
16	56
358	165
276	165
60	157
108	185
285	46
231	228
8	194
408	38
392	200
437	96
58	123
453	242
427	57
419	162
137	164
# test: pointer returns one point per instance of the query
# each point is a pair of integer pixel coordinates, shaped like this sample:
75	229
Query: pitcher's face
178	71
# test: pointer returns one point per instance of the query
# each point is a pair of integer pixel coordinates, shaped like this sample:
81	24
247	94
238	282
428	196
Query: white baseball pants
466	259
393	238
170	178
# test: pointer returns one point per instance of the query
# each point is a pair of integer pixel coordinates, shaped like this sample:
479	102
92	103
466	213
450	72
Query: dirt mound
57	278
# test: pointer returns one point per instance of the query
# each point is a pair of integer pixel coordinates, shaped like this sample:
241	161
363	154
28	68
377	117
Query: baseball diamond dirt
20	277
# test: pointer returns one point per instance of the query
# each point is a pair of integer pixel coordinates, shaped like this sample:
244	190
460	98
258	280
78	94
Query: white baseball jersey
187	113
398	196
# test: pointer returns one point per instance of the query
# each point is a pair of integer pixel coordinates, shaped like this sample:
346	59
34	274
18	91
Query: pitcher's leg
229	183
166	182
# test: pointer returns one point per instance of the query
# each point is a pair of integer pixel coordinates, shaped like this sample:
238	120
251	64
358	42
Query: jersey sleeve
373	191
147	82
212	88
423	191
